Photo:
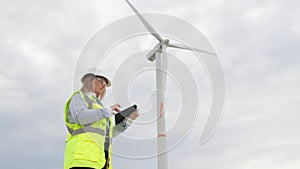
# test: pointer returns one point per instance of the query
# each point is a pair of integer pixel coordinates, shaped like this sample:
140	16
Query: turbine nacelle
157	48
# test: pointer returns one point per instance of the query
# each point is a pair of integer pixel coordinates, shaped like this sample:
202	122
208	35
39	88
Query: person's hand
134	115
116	108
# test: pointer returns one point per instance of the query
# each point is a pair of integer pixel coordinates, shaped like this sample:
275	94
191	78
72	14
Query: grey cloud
41	41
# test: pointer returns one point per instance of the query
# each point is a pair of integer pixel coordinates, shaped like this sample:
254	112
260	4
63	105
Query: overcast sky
257	44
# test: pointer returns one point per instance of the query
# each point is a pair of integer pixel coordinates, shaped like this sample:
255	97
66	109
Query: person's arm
81	115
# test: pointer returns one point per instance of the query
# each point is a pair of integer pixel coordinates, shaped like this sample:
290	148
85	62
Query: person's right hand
116	107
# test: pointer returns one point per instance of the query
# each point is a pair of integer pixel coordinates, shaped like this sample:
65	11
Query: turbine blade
145	22
179	46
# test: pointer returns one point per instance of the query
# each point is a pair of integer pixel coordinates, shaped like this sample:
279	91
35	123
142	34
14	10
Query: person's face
100	85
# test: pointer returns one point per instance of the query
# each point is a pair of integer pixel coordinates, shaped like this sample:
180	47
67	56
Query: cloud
257	43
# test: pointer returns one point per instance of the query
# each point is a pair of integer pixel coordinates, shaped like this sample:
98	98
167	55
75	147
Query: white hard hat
93	72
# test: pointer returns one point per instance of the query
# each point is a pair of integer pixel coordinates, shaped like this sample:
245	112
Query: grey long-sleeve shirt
78	113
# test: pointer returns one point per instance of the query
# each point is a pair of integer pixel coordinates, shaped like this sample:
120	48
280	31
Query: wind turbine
159	54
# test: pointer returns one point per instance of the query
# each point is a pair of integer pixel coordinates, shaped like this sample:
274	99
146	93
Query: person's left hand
134	115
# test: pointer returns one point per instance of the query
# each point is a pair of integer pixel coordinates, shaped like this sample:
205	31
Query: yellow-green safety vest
85	144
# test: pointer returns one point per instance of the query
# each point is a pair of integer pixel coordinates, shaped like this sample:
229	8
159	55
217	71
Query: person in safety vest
89	124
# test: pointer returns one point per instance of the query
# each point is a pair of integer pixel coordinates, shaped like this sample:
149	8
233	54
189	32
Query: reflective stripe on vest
88	101
86	129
